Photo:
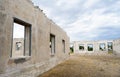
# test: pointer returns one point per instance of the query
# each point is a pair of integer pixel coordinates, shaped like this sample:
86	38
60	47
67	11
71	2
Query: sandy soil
86	66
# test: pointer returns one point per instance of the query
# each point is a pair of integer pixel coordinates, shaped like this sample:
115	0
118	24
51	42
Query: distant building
97	47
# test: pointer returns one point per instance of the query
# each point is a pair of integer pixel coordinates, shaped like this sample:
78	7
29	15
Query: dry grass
86	66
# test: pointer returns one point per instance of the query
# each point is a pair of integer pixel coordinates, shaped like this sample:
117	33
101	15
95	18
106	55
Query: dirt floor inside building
86	66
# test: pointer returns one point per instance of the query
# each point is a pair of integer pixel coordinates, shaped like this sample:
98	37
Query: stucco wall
41	59
96	47
116	48
18	48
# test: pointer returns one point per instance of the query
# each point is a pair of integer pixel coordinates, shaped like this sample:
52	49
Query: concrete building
42	45
116	47
97	47
17	48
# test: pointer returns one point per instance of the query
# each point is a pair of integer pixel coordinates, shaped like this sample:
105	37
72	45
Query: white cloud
89	24
91	17
90	3
67	4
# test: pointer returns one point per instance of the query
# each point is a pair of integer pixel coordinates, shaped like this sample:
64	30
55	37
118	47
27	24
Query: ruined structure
116	47
97	47
42	45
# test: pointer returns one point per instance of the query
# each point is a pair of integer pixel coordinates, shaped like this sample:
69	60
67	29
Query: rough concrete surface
36	55
110	46
87	66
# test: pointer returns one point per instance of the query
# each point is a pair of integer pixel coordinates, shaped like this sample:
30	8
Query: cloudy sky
84	19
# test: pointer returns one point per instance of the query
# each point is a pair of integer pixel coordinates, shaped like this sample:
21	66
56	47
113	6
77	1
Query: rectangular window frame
17	46
100	47
27	37
88	48
111	46
52	44
83	47
63	45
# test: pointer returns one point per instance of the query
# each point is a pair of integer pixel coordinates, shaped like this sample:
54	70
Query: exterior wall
96	46
116	47
41	59
18	52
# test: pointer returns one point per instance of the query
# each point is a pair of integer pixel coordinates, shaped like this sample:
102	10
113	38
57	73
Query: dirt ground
86	66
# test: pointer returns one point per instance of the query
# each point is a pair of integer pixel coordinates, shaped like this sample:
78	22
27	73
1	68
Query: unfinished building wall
93	47
36	56
116	47
17	48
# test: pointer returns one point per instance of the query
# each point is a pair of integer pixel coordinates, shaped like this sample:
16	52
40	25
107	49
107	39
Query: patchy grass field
86	66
